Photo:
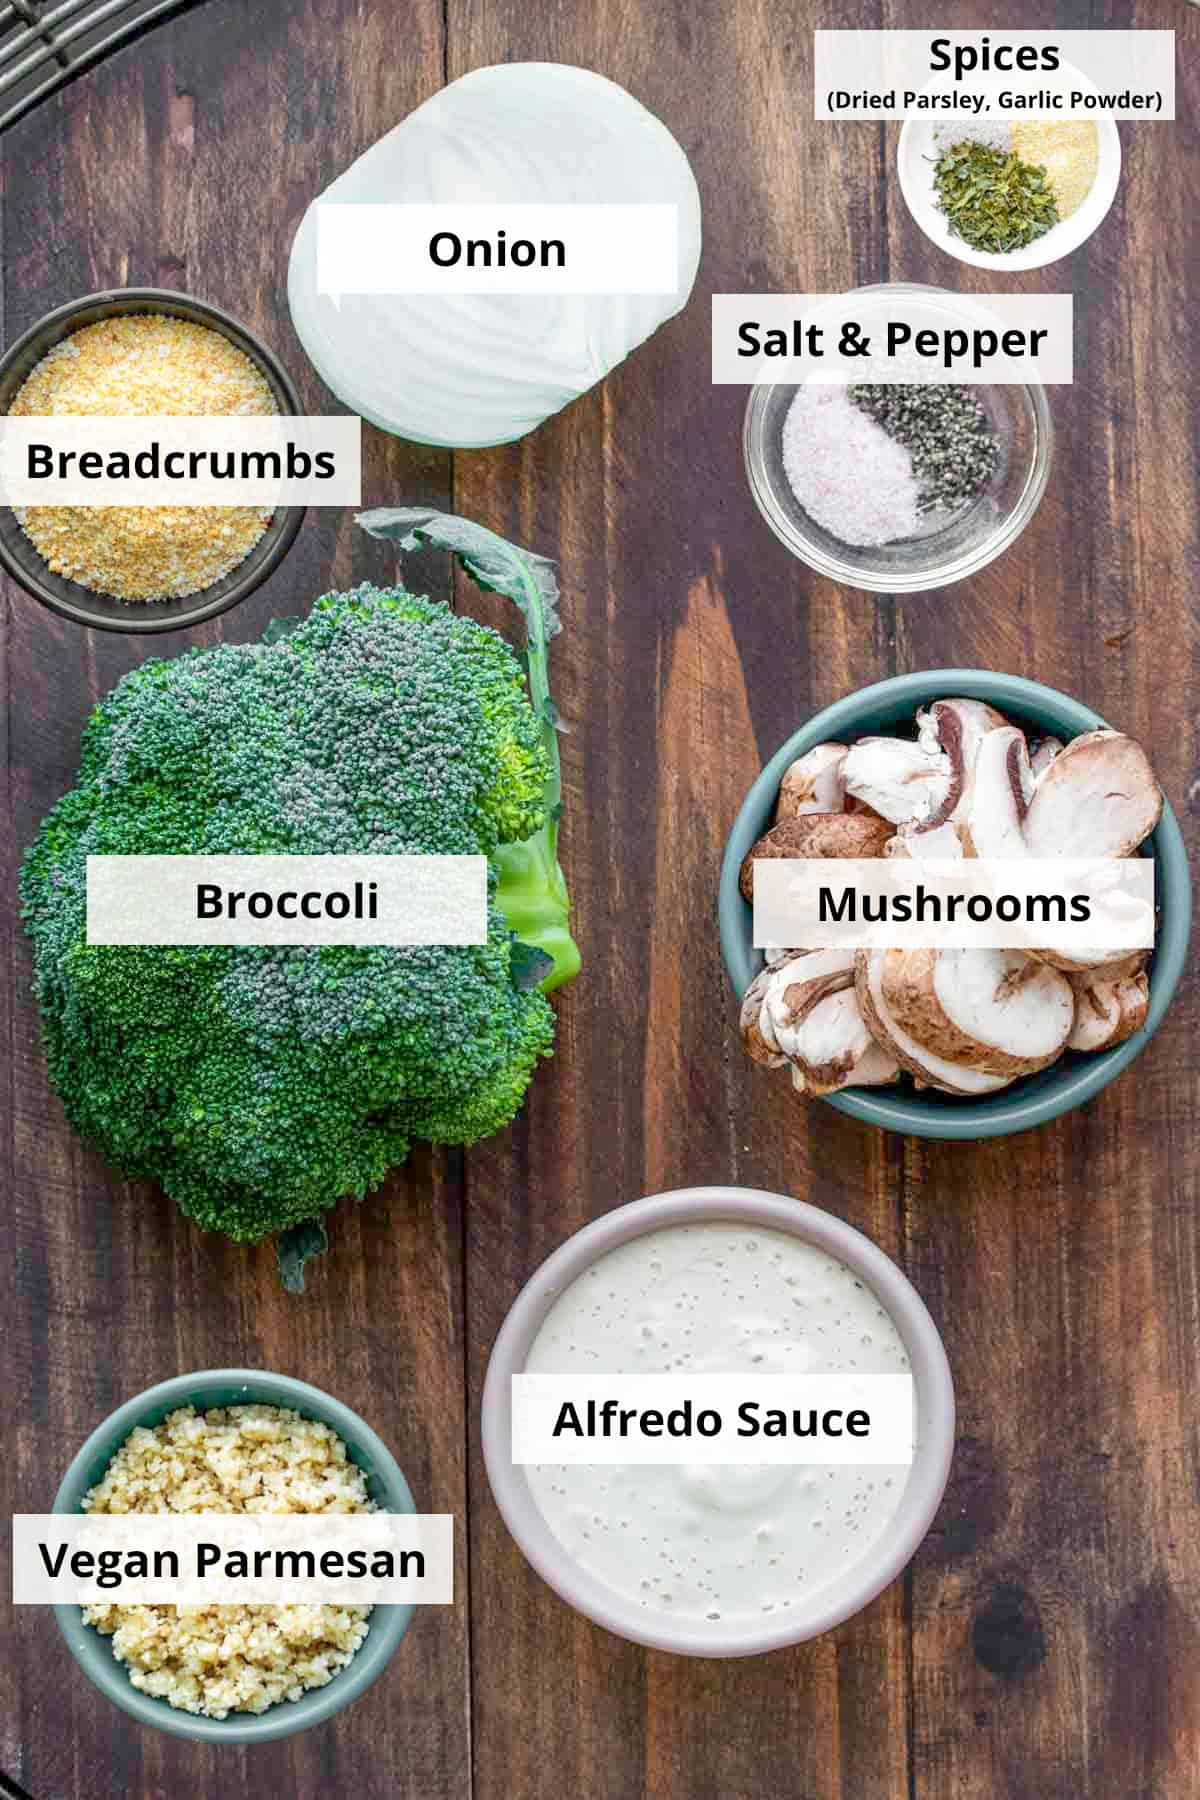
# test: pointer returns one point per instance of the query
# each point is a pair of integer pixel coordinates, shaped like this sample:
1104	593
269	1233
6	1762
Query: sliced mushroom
810	1012
992	823
813	783
1107	1011
925	1066
795	984
757	1036
957	720
994	1010
899	780
835	1050
818	835
1097	798
1101	964
1123	970
935	843
957	727
1042	754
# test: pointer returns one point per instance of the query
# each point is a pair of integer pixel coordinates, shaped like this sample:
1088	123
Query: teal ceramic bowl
385	1484
889	707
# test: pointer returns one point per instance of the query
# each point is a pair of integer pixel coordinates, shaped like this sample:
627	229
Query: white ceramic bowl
914	158
923	1491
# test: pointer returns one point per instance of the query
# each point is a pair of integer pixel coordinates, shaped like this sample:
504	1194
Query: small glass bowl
970	539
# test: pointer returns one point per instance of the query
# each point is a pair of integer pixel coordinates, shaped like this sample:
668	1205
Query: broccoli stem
532	895
532	891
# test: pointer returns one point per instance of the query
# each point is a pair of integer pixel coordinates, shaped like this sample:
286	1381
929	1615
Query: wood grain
1044	1644
187	162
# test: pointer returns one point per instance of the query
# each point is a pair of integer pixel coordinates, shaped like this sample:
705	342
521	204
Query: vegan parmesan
221	1659
144	364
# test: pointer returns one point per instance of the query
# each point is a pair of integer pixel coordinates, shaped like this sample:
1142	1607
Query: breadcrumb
144	363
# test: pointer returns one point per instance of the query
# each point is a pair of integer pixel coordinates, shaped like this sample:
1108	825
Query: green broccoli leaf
296	1247
491	561
530	966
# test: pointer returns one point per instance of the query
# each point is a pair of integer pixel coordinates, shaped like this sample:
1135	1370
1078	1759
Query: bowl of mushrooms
956	1043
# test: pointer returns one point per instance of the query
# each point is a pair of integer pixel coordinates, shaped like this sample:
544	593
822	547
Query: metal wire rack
43	43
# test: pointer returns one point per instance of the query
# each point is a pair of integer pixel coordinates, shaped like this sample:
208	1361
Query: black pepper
946	430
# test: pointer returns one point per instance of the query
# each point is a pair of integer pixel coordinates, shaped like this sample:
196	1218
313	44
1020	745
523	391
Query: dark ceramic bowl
385	1485
889	707
102	612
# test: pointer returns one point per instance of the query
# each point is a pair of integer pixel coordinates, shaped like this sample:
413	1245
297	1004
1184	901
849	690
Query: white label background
152	899
883	62
537	1401
1119	891
384	249
941	313
338	435
430	1533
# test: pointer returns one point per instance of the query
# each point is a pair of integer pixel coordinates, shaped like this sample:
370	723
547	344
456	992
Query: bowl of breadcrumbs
140	352
227	1441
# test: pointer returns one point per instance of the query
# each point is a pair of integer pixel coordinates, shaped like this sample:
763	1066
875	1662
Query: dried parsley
945	429
991	199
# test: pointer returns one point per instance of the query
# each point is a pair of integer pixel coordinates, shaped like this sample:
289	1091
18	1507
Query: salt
997	134
850	477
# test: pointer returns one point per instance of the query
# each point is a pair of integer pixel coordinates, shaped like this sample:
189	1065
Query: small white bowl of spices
137	569
1009	193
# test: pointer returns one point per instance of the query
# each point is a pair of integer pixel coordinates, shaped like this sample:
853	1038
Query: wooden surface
1045	1645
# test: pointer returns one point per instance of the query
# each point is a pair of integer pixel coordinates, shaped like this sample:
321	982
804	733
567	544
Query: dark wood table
1045	1644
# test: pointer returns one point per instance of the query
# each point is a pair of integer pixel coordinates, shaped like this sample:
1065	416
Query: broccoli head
259	1085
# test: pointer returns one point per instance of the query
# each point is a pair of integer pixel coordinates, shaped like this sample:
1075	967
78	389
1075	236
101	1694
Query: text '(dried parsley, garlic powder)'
140	364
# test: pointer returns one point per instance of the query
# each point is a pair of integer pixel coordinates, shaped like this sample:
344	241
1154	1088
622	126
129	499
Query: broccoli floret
259	1085
446	1120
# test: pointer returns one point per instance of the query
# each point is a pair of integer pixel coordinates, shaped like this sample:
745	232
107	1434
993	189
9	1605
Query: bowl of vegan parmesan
139	569
1006	192
226	1441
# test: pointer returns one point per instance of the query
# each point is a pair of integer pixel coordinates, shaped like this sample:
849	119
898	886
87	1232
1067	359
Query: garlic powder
1068	150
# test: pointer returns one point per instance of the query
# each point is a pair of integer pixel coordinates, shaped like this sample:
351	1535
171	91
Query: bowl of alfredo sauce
687	1553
